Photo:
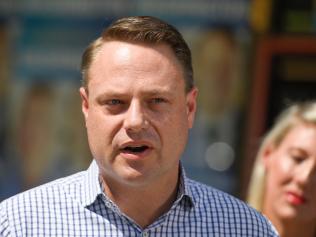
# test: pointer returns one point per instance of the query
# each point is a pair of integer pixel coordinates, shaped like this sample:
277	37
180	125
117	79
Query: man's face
137	112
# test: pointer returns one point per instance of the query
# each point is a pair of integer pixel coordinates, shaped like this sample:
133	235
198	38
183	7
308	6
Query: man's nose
135	119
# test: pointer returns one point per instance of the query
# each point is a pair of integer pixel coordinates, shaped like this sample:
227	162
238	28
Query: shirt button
145	234
108	204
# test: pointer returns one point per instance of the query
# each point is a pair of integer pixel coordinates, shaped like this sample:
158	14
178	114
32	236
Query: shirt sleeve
4	223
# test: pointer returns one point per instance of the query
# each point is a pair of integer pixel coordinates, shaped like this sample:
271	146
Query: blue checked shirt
76	206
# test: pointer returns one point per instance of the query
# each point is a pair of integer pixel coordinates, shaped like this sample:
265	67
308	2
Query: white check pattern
76	206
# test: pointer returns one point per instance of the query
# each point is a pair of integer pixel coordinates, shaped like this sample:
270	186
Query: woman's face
291	176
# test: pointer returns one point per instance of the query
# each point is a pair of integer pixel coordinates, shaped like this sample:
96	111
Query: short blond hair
142	29
304	112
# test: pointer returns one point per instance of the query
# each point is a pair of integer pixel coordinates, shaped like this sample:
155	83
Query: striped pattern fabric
76	206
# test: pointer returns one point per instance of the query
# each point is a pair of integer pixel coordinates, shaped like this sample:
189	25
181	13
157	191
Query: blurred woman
283	183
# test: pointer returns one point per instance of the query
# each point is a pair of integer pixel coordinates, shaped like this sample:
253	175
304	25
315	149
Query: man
139	101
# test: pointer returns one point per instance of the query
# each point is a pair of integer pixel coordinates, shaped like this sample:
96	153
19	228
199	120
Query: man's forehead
116	55
125	48
125	61
146	92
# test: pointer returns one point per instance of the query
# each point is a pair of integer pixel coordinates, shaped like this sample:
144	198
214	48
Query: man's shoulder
221	207
51	191
210	195
47	204
204	191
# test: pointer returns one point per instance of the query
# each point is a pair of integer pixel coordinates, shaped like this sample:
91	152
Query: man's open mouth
135	149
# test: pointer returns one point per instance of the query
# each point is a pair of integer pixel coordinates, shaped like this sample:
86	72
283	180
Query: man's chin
135	177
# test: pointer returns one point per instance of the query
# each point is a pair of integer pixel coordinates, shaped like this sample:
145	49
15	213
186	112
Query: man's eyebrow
110	94
158	92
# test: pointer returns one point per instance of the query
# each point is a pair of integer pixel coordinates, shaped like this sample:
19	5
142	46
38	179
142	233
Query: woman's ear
267	153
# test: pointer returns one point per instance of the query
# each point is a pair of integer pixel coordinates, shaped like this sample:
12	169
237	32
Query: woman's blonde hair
304	112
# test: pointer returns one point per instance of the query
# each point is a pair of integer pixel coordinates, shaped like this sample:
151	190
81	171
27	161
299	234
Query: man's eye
114	102
157	100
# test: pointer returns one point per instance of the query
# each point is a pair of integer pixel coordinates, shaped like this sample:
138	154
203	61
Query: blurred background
251	58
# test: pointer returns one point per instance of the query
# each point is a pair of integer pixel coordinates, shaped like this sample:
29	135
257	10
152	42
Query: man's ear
84	102
191	105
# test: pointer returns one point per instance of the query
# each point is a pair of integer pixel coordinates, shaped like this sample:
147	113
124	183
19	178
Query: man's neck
144	204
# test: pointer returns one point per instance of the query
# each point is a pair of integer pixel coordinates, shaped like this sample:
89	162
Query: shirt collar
184	189
91	187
